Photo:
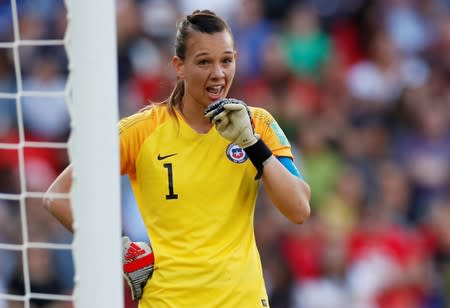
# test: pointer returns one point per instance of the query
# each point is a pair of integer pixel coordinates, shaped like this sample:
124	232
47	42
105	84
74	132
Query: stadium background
362	90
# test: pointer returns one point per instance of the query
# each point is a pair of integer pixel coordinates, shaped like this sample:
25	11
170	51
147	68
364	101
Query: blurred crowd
361	89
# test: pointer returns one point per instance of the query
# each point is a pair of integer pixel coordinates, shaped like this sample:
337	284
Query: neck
193	114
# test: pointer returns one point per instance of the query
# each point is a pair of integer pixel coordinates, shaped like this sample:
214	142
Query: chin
210	101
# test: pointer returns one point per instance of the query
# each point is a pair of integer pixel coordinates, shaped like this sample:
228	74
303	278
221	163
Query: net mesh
36	264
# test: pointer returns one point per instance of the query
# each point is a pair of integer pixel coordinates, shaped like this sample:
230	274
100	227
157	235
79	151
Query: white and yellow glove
233	121
138	262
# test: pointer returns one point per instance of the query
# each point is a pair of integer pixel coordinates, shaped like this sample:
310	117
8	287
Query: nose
217	72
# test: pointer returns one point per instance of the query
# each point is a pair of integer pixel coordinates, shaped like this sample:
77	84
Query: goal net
58	105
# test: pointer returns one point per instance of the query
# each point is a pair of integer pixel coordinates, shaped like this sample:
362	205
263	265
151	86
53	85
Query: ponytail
175	98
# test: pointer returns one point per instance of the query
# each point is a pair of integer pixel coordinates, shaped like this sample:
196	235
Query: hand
138	262
233	121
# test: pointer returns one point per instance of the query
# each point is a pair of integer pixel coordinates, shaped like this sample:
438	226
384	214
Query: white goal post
93	151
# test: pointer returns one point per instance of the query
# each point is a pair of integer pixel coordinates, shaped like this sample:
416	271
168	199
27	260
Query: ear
178	66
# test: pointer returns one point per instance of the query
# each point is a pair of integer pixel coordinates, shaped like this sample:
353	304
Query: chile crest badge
236	154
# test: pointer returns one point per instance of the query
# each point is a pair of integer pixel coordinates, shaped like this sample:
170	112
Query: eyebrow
205	54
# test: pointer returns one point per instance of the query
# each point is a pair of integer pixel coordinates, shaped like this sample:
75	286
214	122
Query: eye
228	60
203	62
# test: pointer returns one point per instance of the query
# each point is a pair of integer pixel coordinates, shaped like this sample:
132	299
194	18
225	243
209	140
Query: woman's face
208	68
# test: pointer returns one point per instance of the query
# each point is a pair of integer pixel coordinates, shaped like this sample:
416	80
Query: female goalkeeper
195	162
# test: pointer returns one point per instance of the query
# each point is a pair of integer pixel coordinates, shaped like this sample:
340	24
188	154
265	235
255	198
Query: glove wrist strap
258	154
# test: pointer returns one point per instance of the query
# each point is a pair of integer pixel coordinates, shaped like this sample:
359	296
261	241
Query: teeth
214	90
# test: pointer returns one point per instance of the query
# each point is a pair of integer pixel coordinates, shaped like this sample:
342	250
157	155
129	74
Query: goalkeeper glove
233	121
138	262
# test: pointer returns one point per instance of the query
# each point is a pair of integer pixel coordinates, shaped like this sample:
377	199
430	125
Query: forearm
287	192
60	207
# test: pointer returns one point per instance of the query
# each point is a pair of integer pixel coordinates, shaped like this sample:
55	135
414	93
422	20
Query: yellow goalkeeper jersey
196	194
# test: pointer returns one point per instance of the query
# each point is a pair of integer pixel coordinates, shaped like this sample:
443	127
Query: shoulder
261	117
267	127
148	118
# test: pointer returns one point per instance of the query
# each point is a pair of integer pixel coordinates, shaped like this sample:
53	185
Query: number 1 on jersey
171	194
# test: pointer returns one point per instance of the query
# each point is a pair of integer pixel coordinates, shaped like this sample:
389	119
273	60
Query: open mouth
214	93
